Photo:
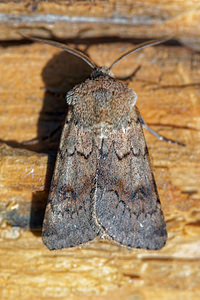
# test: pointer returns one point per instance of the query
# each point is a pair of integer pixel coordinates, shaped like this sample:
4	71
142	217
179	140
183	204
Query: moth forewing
103	184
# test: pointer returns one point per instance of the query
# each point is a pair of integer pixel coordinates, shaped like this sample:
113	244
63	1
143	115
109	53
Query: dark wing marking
127	203
68	218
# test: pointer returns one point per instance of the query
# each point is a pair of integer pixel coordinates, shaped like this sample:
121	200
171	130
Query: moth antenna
137	48
65	48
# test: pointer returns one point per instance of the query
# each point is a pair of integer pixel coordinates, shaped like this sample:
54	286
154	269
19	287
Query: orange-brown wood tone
168	89
103	18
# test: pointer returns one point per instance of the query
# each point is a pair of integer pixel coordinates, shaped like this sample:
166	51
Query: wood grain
93	19
168	91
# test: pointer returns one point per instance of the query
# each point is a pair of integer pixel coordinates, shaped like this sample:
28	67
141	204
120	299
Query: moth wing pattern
103	184
68	215
127	203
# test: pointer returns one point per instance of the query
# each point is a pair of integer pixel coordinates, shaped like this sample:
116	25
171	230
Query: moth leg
55	92
38	140
157	135
57	130
130	77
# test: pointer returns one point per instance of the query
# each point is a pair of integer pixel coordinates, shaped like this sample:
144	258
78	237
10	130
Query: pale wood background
168	88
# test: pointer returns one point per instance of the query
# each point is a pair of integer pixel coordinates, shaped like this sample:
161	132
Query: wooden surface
102	18
168	91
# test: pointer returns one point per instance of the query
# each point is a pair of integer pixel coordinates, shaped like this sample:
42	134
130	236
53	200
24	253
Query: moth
103	185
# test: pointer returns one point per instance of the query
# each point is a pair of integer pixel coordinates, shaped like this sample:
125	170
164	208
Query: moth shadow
60	75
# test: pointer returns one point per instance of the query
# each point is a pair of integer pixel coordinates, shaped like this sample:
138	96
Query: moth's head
101	99
99	71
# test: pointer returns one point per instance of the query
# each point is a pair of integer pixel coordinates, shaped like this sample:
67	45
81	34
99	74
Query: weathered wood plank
168	97
92	19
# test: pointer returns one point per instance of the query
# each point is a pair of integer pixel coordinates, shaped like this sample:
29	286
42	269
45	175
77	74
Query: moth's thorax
101	101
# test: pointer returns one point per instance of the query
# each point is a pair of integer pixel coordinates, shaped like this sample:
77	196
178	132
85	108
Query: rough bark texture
168	90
